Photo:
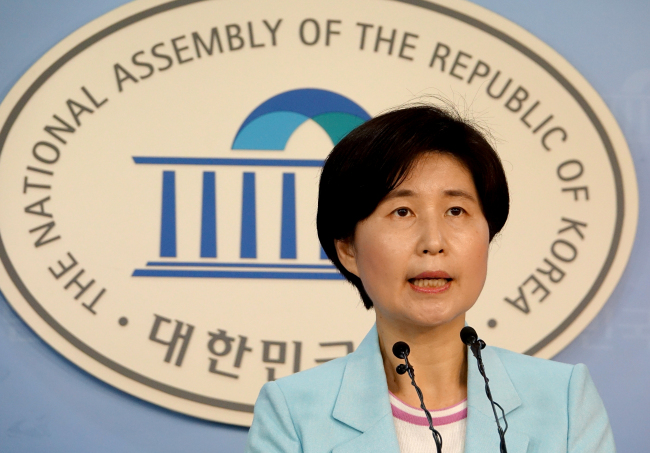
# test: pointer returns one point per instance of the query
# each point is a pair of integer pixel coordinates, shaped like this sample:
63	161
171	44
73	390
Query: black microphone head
401	368
468	335
401	350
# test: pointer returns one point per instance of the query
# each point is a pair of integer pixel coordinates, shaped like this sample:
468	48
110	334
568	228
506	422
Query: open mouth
429	282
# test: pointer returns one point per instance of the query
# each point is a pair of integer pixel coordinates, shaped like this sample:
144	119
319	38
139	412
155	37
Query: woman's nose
432	238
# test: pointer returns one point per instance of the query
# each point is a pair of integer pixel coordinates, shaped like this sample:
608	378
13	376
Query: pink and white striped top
413	432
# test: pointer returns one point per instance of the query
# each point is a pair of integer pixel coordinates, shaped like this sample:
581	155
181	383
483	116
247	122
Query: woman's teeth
429	282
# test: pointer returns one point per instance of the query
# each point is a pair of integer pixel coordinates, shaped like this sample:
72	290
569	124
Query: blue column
209	217
288	234
168	217
248	247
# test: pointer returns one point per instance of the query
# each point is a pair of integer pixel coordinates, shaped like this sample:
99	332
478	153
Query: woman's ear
346	253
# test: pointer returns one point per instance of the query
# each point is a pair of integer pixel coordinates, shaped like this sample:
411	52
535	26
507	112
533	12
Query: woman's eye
455	211
402	212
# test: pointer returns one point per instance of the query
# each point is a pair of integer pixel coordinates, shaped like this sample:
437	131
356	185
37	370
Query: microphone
401	350
469	336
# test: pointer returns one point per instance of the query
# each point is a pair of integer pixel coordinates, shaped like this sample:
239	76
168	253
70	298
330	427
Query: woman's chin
426	321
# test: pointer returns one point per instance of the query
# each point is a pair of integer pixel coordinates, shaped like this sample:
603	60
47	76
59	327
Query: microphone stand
470	338
402	350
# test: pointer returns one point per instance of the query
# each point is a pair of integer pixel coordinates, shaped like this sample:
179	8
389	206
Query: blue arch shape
272	123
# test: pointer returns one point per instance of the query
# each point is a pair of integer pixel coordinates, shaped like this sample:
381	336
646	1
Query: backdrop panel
57	407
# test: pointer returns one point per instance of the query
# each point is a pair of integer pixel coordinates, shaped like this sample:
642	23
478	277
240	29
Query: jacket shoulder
572	409
522	366
559	387
538	382
296	409
315	389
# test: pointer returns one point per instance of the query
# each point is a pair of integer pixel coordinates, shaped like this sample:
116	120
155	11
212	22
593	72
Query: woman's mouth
429	282
430	285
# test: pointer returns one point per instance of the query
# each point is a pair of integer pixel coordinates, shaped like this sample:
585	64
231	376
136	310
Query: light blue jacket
342	406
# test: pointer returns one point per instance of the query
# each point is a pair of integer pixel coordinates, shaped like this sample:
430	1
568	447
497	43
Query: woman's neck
438	356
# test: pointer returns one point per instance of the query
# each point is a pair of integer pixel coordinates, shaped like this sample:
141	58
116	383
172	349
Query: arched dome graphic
270	125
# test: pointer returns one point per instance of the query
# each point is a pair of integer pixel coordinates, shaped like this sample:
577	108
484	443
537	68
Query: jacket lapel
482	435
363	402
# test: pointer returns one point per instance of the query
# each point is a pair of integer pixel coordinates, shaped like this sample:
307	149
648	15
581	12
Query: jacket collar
362	399
482	434
503	391
363	403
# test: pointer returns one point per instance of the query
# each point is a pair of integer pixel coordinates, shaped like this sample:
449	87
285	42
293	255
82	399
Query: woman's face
422	254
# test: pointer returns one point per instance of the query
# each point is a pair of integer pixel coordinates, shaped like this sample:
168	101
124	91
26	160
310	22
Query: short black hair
375	158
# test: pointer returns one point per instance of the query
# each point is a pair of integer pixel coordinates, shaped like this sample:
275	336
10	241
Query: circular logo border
15	112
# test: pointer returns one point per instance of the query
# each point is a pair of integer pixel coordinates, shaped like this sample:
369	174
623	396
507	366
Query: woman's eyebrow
457	193
399	194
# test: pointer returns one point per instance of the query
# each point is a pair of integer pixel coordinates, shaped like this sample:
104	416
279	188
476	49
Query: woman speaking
408	205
